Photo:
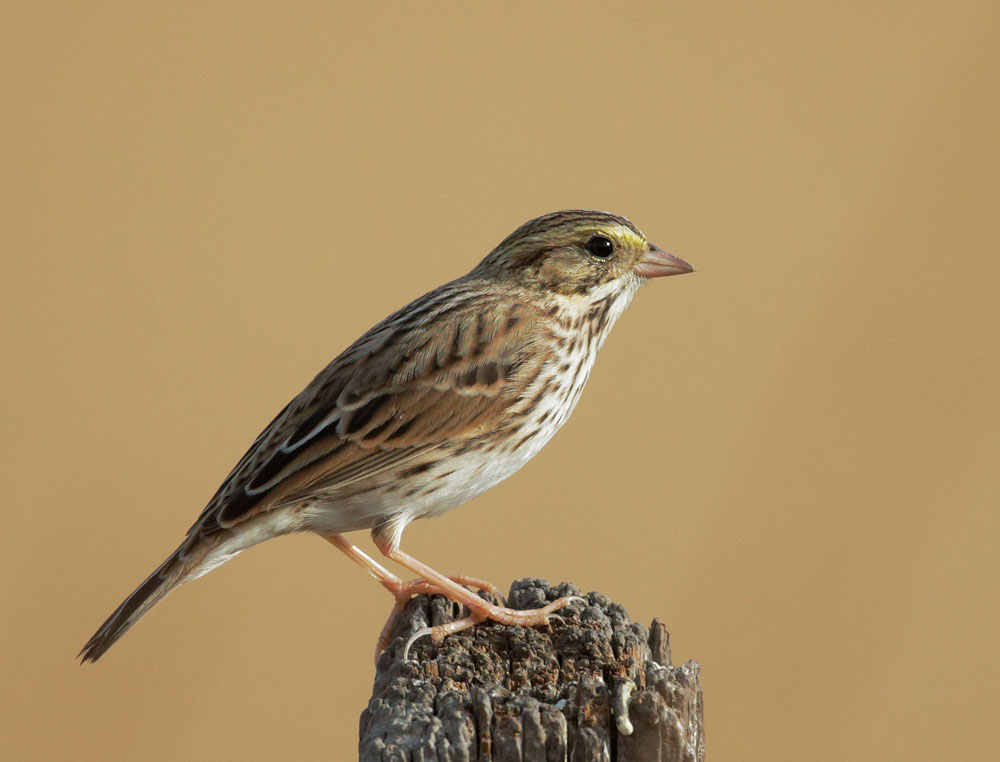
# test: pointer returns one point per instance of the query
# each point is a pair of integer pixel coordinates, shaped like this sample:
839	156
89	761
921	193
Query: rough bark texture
593	687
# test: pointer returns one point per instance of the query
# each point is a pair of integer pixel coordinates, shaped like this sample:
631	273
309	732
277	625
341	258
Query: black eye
600	246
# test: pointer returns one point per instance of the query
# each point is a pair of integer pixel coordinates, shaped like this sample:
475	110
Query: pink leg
401	591
386	578
480	609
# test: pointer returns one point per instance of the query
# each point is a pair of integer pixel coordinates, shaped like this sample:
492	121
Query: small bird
434	405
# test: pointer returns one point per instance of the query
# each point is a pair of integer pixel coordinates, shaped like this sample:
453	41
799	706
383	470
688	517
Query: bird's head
579	253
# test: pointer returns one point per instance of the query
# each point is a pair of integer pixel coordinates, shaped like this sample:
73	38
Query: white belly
456	479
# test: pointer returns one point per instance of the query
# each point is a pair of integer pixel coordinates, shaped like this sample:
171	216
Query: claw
441	631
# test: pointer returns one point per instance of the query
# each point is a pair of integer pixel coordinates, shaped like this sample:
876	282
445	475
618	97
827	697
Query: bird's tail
167	576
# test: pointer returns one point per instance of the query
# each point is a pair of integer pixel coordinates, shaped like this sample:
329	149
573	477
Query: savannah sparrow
440	401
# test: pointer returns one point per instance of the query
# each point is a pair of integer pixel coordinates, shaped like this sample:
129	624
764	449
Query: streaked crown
568	252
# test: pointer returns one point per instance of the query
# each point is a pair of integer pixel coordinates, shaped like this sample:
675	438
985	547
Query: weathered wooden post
593	686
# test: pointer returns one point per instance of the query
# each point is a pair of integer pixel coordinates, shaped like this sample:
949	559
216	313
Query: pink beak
656	263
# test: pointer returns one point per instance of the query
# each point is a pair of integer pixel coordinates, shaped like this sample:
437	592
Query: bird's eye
600	246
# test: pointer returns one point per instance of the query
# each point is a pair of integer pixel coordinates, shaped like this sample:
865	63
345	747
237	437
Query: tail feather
167	576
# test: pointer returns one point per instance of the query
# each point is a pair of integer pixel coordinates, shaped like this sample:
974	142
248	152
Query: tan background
792	455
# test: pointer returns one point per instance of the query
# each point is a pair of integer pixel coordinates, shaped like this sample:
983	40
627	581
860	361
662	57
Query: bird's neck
589	317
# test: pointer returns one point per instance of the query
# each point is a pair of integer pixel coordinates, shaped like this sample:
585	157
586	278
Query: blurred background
790	456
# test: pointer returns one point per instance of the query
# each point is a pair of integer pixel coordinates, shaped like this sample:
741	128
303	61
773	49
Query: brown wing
448	367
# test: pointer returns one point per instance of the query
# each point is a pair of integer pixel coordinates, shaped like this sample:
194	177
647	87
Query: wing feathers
421	379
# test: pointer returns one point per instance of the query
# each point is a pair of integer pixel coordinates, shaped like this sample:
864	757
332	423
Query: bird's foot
403	591
501	614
